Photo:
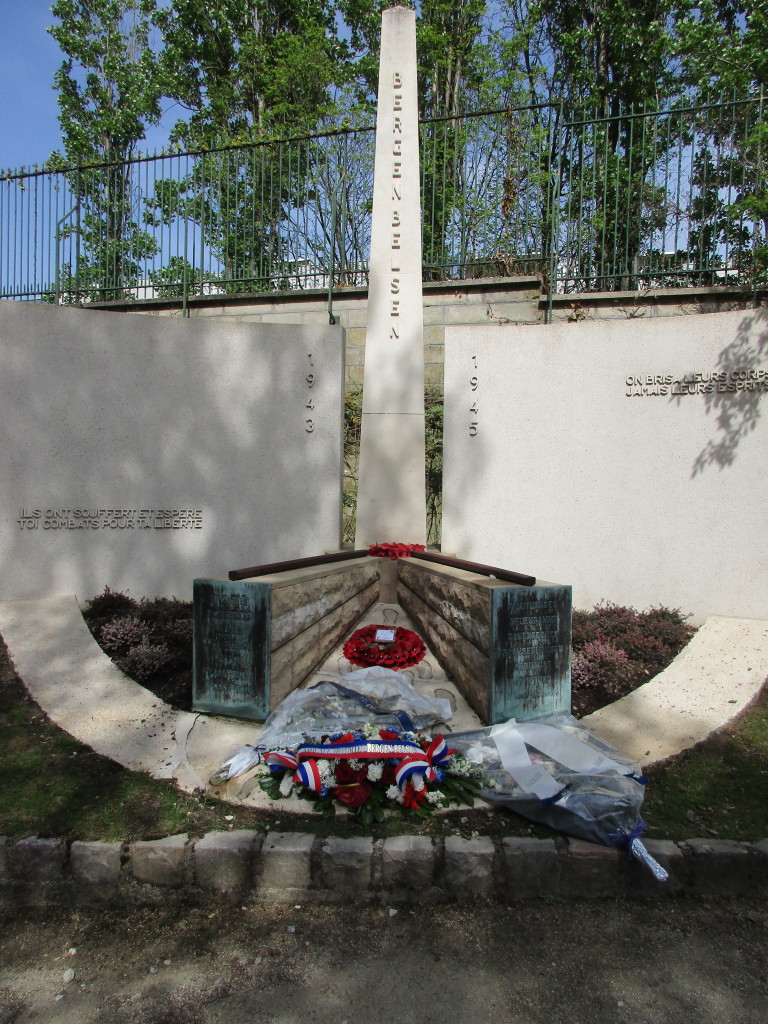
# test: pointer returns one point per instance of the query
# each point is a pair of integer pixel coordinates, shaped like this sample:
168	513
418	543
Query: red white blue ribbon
412	759
305	772
428	763
308	774
364	750
282	762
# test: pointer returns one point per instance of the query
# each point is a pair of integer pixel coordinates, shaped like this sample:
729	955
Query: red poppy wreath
362	649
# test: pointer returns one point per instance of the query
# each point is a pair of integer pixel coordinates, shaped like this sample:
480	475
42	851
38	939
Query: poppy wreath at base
394	550
406	650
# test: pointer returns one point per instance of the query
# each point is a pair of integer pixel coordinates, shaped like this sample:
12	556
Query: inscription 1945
705	383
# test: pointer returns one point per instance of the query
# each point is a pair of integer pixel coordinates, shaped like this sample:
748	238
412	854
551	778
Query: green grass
717	788
54	786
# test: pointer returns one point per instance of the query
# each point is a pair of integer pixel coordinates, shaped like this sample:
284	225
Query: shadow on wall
738	408
122	411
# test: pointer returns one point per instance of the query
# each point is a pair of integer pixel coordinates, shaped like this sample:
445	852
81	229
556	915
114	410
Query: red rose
346	738
388	734
347	775
353	795
388	775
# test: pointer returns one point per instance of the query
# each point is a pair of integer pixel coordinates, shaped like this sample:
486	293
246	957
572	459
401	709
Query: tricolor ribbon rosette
364	774
429	762
306	773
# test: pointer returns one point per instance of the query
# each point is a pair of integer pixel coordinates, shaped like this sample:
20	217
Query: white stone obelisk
391	496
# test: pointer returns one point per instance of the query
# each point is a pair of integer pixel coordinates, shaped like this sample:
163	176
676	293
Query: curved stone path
76	684
711	680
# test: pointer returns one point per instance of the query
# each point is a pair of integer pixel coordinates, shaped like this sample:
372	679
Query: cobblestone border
285	867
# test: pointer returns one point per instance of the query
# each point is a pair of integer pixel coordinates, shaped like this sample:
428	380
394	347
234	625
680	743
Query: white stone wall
556	466
110	419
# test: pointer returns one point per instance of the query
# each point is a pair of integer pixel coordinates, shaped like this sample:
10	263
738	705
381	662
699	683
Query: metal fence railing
642	198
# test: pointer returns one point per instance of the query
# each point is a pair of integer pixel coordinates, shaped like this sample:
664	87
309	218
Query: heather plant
150	640
145	660
109	605
599	668
179	631
616	649
639	634
118	636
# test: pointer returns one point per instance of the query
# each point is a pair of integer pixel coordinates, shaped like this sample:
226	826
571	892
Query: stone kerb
261	867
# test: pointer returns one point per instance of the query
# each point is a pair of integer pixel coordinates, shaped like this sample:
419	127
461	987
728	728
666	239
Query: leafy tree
109	93
603	54
595	68
249	69
723	48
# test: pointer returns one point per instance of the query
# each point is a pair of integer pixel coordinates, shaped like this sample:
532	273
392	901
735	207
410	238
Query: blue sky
29	56
29	127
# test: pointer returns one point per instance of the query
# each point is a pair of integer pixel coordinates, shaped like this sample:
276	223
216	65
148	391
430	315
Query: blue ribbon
629	837
370	705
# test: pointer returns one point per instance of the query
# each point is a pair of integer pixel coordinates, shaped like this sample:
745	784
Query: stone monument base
507	646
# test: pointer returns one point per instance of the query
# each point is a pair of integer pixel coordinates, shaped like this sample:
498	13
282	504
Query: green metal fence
642	198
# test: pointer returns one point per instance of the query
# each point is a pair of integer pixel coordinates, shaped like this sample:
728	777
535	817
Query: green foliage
270	784
177	277
433	443
433	446
373	809
723	45
353	414
462	791
109	92
108	84
452	61
575	186
248	69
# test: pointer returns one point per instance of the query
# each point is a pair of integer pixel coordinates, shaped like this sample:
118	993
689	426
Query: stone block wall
507	647
283	867
257	639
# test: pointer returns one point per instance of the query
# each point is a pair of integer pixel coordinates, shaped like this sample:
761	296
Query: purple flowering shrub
145	660
150	640
119	635
616	649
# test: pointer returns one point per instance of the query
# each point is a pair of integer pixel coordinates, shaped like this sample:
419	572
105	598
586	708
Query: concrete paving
79	688
715	677
537	962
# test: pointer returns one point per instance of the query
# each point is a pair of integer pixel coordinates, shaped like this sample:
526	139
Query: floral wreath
364	649
394	550
368	770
